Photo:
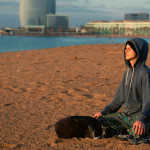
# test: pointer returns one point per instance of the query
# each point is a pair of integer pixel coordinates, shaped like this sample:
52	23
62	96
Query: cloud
72	7
107	5
9	13
9	7
83	11
9	1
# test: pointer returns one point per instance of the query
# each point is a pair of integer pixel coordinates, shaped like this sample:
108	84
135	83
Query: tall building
57	21
33	12
136	16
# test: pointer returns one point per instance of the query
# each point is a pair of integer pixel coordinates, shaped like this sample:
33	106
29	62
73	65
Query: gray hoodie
134	90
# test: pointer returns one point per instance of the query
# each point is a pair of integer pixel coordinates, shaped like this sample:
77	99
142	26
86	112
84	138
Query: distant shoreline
77	35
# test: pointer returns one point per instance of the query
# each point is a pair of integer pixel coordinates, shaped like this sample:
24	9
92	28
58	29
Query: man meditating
133	93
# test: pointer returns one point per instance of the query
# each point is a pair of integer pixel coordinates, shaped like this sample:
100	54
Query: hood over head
140	46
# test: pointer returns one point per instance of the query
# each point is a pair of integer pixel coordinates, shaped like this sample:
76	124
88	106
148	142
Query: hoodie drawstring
131	78
127	77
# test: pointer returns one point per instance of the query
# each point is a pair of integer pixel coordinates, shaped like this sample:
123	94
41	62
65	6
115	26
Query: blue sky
80	11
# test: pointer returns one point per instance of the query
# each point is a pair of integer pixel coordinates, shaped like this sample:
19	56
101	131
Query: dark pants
120	122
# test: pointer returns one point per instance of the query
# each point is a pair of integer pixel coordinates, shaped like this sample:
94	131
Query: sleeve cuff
105	111
143	118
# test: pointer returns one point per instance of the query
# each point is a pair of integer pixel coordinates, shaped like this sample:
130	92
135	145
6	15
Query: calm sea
19	43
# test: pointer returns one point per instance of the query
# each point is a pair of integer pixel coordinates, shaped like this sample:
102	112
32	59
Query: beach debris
18	56
49	127
75	58
58	141
9	104
8	146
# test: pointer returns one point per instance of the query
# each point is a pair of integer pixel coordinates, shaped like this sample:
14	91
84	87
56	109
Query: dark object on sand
78	126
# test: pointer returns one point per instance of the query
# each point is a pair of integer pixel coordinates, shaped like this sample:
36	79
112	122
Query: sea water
19	43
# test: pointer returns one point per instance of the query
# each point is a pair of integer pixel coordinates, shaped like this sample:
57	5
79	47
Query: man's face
129	53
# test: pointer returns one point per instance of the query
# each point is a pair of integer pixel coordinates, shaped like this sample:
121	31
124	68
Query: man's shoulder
145	70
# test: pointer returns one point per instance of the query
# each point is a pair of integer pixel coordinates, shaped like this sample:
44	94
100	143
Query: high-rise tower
33	12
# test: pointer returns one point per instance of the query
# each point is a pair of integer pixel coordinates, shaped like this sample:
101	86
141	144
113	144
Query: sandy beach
39	87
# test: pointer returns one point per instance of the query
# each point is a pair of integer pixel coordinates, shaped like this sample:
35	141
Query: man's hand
97	115
139	127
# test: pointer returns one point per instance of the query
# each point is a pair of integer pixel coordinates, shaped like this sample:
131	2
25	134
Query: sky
80	11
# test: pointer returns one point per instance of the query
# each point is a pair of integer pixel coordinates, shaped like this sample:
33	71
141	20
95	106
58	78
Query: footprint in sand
19	90
42	89
77	92
66	93
69	92
38	86
88	95
9	104
79	76
99	95
8	146
67	81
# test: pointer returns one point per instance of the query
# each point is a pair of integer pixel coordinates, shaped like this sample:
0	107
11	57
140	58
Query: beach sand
39	87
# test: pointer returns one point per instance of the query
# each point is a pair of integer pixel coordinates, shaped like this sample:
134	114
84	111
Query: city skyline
80	11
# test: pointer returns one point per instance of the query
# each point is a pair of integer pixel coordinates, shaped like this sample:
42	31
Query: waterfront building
33	12
34	29
136	16
122	27
57	21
